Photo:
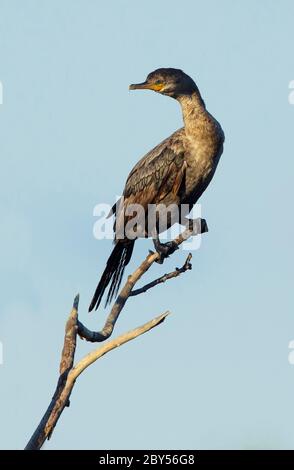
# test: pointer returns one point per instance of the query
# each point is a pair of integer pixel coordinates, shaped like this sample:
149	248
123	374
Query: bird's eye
158	82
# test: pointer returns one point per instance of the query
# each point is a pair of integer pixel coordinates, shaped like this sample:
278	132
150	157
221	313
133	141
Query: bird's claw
165	250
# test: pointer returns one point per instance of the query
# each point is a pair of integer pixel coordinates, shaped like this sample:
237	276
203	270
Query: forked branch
160	280
70	372
196	227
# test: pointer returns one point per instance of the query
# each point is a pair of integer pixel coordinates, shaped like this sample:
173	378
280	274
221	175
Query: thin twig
186	267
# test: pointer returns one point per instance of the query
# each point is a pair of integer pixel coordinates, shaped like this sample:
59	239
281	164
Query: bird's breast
203	151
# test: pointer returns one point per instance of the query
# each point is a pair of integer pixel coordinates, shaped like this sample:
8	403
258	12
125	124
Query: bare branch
68	372
186	267
70	339
195	227
66	363
64	387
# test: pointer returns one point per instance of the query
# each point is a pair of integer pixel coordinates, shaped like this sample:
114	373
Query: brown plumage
177	171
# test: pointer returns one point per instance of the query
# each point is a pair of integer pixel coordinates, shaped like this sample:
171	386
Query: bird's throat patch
156	86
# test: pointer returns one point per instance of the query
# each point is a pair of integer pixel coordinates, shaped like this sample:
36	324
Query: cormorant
176	171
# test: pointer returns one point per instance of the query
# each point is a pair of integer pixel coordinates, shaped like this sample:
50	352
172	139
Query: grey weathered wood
67	357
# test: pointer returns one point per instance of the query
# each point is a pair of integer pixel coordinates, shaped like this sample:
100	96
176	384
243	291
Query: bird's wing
158	173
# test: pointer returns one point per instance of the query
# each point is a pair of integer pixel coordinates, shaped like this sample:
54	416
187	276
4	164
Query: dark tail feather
113	273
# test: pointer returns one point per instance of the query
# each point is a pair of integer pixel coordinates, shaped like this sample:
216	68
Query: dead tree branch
196	227
66	363
160	280
70	372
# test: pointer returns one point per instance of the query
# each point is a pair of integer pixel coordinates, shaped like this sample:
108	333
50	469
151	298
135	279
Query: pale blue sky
216	374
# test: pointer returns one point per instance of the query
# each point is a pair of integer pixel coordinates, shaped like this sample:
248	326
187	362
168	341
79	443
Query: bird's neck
193	109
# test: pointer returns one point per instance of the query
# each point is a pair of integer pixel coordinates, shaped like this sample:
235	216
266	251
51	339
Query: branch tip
76	302
162	317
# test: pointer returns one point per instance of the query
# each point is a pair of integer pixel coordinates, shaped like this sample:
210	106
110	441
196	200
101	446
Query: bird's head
170	82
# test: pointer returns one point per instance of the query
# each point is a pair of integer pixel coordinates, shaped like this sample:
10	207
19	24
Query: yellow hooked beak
147	86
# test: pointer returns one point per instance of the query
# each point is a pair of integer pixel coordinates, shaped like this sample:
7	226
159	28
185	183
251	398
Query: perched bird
175	172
